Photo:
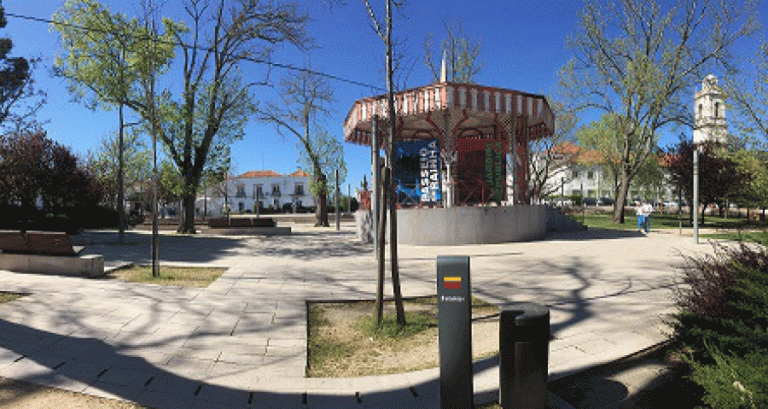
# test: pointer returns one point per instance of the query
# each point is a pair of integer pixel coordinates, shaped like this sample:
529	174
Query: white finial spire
444	70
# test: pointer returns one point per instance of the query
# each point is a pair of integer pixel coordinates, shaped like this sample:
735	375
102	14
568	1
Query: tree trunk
321	205
187	225
618	207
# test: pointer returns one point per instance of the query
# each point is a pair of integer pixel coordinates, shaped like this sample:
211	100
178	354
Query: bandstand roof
450	108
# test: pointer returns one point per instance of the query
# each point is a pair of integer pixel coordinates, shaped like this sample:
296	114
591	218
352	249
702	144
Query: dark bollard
523	356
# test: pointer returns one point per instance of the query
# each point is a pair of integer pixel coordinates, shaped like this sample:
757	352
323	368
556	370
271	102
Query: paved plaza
241	342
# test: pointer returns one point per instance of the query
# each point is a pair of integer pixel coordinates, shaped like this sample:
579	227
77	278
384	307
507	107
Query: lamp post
695	204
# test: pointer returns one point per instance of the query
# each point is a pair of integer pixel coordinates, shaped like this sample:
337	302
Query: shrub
733	382
724	323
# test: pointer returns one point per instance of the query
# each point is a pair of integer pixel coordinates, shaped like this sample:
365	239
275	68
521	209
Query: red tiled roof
259	174
299	174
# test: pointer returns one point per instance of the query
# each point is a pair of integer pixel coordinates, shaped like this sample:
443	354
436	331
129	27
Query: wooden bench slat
13	242
50	243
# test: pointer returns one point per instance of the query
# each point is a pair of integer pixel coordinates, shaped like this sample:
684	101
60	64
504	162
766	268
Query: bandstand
454	145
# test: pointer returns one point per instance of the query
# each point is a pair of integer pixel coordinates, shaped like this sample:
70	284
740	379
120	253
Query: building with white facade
584	173
264	188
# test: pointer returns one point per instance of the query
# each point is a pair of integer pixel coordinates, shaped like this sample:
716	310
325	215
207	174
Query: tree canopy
33	167
16	83
720	176
637	60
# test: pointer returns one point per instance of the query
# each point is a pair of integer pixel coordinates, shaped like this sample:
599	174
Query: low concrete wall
91	265
471	225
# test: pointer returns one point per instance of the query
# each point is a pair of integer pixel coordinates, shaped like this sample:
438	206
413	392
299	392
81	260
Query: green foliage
733	382
136	158
724	322
108	58
720	176
576	199
329	153
15	77
634	60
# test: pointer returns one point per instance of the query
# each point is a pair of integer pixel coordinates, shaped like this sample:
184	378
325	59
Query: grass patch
416	323
8	297
322	347
667	221
747	237
182	276
343	339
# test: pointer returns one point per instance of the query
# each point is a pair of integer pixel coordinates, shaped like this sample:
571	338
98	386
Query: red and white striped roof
480	103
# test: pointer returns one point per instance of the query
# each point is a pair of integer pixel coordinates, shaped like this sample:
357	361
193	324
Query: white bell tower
709	114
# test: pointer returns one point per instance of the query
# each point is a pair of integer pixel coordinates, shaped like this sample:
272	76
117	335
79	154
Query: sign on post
454	308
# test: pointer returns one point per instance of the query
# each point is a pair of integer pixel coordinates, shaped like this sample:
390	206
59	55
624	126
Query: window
590	175
275	190
240	191
258	192
299	189
575	174
240	207
717	109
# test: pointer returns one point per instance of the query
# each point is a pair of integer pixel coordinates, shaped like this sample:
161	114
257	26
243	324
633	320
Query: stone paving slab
241	342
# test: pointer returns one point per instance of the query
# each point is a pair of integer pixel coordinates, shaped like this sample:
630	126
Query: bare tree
459	52
550	157
384	30
638	59
750	99
305	96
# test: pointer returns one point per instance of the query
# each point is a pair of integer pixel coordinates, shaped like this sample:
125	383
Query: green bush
723	321
733	382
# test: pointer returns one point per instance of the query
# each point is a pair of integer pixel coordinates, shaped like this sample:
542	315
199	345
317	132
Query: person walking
640	212
647	211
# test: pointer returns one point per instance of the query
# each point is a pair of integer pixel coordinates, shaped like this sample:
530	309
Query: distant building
583	172
709	106
256	188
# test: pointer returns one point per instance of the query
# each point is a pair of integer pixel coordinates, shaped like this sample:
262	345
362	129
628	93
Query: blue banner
417	171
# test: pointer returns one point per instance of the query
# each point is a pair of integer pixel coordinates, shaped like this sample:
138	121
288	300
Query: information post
454	307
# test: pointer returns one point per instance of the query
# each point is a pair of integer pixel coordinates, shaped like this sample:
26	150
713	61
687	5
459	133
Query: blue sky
523	47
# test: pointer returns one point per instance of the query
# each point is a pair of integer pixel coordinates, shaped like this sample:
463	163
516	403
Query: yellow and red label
451	283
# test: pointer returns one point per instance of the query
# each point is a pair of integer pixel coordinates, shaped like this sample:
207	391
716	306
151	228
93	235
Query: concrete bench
46	253
241	222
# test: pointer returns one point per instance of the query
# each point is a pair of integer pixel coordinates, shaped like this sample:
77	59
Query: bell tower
709	114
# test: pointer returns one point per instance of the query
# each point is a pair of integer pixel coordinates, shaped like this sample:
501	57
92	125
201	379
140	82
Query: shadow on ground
646	380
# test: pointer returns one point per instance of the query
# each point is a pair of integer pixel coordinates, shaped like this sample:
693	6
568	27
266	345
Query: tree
216	101
605	137
384	31
754	163
109	63
459	52
720	177
549	158
329	154
750	101
304	99
104	163
35	167
637	60
16	83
